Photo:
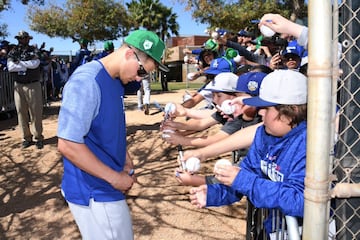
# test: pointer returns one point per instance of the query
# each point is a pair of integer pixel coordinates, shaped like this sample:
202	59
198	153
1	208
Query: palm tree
154	16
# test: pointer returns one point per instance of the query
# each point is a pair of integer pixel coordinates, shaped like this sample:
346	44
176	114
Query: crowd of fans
244	48
261	78
55	70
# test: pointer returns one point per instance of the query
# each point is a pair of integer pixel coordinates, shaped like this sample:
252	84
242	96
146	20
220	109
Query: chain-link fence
345	208
332	201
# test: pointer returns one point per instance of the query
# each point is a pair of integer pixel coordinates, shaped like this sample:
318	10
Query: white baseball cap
223	82
287	87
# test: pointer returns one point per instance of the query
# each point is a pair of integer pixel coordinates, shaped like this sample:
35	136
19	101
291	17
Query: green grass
156	86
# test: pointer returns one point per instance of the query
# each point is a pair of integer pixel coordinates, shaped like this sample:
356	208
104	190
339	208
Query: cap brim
258	102
17	37
210	71
229	90
163	68
212	90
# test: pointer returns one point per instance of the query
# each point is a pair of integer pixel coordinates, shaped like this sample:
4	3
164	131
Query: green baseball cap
149	43
83	41
211	45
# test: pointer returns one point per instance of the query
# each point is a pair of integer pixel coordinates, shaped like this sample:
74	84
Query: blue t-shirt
92	113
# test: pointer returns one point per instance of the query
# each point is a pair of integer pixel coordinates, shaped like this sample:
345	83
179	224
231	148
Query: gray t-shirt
231	126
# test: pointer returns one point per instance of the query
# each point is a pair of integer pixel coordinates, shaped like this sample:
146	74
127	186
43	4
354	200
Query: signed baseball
193	164
223	162
170	108
227	108
165	133
266	31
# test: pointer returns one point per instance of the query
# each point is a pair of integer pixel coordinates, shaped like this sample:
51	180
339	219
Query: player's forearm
81	156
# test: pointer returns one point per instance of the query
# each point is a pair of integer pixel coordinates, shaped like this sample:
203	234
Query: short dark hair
261	68
143	56
296	113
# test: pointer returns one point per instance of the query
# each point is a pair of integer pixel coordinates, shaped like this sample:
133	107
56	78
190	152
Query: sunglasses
291	57
141	72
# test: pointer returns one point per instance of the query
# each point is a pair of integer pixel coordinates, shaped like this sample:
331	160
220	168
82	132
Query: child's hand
174	138
238	102
198	196
187	179
226	174
180	111
193	153
183	177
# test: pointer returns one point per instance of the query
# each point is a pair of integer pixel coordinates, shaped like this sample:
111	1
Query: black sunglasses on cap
141	72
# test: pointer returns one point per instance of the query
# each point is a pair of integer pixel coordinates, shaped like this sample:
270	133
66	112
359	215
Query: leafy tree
6	5
236	15
3	31
89	19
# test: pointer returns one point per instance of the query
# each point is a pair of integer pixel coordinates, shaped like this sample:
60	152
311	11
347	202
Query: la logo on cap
216	64
147	44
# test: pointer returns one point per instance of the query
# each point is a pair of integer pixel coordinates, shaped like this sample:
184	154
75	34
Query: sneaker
26	144
146	109
39	144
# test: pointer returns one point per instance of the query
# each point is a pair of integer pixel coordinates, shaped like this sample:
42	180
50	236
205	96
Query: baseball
227	108
221	162
170	108
237	59
191	76
186	97
165	133
215	35
186	59
266	31
192	164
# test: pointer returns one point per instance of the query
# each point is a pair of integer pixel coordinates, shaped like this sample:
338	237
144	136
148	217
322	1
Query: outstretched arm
240	139
281	24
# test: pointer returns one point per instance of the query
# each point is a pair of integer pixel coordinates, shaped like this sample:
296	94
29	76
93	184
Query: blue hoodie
271	176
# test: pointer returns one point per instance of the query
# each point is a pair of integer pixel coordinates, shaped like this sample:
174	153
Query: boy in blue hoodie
272	174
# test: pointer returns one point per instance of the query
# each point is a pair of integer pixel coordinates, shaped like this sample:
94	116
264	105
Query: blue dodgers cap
250	82
242	33
293	48
287	87
219	65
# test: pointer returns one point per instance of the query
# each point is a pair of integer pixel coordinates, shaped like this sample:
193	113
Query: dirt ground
32	207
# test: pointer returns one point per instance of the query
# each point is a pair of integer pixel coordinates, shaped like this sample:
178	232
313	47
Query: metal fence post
316	211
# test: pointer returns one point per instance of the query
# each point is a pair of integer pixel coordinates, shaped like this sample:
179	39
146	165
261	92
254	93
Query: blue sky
16	20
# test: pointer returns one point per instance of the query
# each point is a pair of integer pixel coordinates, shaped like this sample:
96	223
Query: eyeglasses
141	72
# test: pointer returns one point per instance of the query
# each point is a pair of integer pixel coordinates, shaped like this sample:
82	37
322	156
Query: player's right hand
122	181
